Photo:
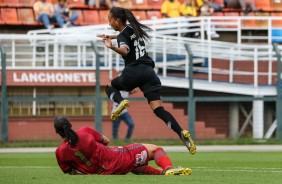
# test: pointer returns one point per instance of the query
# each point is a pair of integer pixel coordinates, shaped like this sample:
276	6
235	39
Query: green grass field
208	167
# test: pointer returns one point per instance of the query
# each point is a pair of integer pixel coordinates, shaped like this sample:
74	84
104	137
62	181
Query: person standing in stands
44	13
170	9
138	71
62	9
124	116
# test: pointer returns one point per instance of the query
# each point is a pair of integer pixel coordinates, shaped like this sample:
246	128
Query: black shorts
142	76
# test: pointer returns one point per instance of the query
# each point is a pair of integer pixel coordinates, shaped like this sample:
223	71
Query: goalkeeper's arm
75	172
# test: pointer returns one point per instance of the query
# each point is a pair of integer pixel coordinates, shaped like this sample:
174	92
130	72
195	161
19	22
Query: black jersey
137	53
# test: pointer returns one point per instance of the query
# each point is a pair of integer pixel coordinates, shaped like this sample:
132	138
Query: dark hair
63	127
126	15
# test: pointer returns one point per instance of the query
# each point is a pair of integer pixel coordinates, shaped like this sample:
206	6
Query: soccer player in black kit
138	71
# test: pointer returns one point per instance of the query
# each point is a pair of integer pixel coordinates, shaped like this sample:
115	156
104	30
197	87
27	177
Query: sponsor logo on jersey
141	158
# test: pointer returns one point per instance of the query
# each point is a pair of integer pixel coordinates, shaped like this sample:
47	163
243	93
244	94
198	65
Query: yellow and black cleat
178	171
123	104
188	142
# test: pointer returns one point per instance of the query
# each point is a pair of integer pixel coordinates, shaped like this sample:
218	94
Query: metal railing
71	48
181	25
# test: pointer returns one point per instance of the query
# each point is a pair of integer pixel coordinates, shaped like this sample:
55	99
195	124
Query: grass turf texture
208	167
54	143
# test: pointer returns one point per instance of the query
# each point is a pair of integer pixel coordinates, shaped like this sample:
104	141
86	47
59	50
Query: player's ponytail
126	15
63	128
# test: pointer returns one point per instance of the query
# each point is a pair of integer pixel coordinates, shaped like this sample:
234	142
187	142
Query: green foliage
208	167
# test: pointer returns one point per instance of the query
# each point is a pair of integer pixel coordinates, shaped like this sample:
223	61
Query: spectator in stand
62	9
245	6
124	116
44	13
211	4
206	10
170	8
97	3
188	9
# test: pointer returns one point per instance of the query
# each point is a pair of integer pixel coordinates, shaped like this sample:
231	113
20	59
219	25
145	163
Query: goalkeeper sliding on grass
85	151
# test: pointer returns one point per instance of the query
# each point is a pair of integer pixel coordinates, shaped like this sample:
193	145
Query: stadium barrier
163	45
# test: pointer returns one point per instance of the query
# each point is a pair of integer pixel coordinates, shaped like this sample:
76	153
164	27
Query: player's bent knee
151	149
153	96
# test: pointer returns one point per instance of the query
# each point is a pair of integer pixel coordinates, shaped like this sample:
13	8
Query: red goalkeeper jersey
90	156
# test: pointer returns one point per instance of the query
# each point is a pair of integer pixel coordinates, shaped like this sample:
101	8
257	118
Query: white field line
239	169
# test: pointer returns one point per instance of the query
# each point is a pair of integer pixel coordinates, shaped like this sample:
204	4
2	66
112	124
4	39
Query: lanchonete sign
55	77
61	77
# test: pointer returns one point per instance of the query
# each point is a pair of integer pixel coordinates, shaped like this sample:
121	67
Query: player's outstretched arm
104	36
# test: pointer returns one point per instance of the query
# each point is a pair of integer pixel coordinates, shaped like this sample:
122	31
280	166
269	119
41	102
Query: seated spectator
206	10
214	5
62	9
241	4
97	3
44	13
170	8
188	9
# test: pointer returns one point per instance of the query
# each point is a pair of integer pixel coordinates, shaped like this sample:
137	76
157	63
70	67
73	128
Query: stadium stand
27	3
77	4
154	14
140	4
11	3
26	16
104	16
126	4
276	4
140	15
10	16
265	5
227	62
261	23
249	23
144	9
231	14
1	22
276	23
91	17
155	4
220	2
218	14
